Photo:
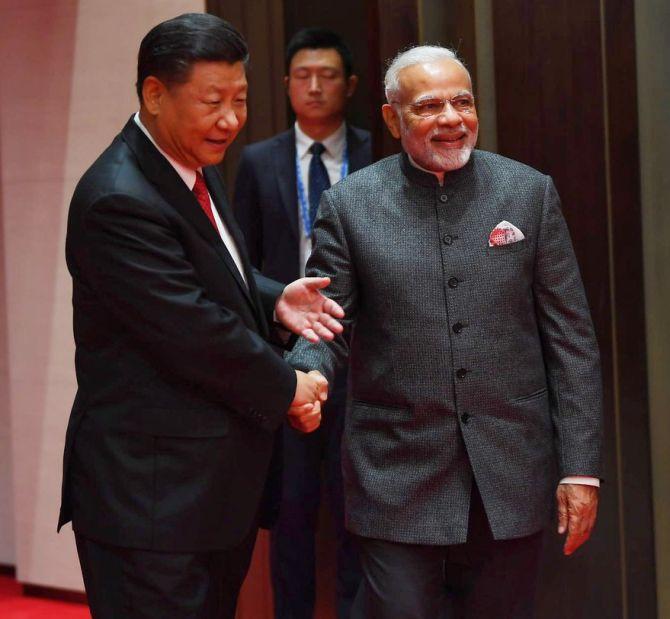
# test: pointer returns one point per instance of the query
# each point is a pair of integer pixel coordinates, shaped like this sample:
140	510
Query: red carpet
13	605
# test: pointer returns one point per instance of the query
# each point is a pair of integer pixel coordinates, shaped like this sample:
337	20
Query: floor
13	605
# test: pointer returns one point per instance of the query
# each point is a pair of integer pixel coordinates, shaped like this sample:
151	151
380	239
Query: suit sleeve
569	345
330	257
133	260
247	209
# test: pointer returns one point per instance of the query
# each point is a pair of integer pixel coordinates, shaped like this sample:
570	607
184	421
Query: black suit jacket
179	392
266	200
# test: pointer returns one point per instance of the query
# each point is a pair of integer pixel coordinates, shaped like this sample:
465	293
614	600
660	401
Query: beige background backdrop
67	80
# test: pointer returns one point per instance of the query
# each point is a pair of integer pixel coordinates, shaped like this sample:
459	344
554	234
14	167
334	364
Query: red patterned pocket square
504	234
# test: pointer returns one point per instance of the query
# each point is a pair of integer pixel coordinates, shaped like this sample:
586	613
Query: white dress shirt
332	159
188	176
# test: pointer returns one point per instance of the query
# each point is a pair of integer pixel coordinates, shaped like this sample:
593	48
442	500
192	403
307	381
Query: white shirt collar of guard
334	143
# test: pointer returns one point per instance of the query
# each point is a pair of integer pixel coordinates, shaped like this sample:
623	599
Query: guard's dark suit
171	432
266	207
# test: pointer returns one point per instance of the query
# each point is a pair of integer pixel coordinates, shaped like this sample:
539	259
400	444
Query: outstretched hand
303	309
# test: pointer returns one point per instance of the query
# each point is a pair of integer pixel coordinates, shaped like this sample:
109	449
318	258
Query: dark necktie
202	195
318	179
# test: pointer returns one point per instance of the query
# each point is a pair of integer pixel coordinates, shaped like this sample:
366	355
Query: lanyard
302	194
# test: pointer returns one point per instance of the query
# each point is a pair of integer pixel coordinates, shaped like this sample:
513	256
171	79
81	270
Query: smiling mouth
449	139
221	142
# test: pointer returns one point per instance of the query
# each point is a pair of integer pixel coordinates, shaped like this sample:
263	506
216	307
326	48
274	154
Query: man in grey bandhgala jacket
474	371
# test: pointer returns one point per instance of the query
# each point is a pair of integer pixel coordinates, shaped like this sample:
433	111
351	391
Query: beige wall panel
652	19
6	499
72	71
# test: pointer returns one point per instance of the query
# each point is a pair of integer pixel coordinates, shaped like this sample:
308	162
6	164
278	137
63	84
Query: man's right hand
310	391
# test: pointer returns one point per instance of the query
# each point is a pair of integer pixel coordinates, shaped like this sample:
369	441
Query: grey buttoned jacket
466	361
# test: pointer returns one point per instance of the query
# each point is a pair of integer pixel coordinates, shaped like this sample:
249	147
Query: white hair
415	55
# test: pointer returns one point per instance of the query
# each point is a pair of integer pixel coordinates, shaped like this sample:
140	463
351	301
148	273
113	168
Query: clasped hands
303	309
310	392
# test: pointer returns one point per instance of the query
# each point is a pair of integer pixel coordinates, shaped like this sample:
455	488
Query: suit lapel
166	180
217	190
283	156
174	191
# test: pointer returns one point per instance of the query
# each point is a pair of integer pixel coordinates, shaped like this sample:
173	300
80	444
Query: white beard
455	159
441	161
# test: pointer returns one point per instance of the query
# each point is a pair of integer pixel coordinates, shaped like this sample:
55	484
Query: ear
352	82
391	119
286	80
153	92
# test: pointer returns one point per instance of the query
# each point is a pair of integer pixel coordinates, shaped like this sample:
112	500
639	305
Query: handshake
310	392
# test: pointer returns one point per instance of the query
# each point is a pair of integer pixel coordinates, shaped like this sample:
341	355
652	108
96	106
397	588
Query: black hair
169	49
319	38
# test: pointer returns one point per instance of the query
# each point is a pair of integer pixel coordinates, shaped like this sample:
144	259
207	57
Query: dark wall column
393	25
566	101
262	24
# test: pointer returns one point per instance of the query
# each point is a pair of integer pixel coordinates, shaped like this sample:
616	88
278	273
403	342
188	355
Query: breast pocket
510	248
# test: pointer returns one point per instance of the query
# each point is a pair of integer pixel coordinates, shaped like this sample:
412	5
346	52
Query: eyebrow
218	89
330	67
429	97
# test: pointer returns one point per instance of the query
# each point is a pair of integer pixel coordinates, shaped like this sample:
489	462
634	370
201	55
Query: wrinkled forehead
442	78
216	76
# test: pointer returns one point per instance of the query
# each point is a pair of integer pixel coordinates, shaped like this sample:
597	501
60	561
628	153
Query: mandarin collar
428	179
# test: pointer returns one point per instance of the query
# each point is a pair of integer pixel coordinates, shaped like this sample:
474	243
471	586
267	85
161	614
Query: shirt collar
334	143
186	174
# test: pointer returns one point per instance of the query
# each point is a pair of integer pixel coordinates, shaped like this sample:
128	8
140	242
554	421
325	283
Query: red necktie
202	195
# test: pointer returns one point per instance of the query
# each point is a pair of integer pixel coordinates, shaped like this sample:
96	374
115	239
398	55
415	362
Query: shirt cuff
584	480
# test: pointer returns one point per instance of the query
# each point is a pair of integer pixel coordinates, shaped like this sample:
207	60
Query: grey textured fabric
465	359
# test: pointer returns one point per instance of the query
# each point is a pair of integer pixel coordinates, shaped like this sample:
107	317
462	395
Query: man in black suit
278	188
171	432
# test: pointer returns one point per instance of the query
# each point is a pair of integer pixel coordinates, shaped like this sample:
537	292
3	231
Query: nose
314	83
228	120
449	116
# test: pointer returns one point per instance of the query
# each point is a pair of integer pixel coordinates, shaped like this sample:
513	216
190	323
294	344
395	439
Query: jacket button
458	327
465	417
448	239
461	374
444	197
453	282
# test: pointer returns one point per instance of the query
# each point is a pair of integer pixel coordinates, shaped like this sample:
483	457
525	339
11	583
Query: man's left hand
577	510
303	309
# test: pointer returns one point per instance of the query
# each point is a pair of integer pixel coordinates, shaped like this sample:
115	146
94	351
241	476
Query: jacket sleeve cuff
581	479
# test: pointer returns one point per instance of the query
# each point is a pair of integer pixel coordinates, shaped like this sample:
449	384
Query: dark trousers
292	550
125	583
481	579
